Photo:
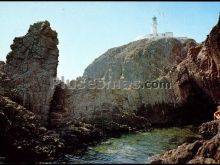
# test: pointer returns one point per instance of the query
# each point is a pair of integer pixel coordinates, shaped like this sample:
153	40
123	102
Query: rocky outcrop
201	67
136	62
204	151
22	137
195	81
209	129
31	65
141	60
190	69
78	136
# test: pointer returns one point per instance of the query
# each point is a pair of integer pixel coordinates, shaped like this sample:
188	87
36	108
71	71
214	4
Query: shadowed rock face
22	136
195	81
31	64
202	65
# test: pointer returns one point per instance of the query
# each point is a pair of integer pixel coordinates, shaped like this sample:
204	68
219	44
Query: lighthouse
154	33
154	26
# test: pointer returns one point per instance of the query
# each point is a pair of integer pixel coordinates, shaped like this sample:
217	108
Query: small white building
155	34
159	35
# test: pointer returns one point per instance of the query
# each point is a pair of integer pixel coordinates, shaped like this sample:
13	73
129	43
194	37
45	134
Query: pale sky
88	29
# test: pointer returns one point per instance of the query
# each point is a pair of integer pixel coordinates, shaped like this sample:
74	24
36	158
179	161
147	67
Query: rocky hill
145	59
191	69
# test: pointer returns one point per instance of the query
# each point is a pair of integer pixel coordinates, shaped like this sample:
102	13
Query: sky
88	29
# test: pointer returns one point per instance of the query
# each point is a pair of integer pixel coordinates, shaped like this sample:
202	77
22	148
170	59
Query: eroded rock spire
31	64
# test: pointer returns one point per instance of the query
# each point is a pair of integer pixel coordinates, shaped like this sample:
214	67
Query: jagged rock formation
201	67
196	79
31	65
204	151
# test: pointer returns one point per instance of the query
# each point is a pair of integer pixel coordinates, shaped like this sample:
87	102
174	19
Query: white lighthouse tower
154	26
155	35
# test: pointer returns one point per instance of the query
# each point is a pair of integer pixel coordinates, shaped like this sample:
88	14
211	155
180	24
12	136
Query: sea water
134	148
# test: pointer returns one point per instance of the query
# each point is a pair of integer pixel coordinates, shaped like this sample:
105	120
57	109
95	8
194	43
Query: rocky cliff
190	69
139	61
31	65
202	68
197	77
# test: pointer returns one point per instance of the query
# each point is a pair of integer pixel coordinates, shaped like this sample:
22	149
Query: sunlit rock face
142	60
32	64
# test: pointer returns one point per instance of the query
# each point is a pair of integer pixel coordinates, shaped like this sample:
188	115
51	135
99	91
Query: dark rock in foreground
22	138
